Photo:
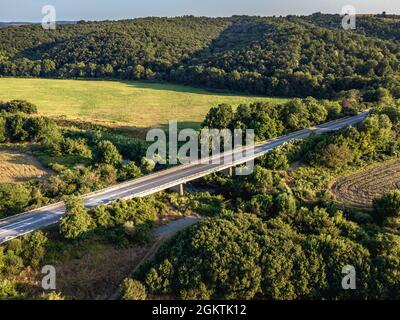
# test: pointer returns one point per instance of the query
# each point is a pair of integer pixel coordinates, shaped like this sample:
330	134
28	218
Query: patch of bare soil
359	190
19	167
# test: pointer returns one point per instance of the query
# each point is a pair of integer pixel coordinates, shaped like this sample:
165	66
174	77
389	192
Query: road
174	226
27	222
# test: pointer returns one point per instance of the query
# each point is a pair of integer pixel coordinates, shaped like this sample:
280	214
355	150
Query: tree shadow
141	132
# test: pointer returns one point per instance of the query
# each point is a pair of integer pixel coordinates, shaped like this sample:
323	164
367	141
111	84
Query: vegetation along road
25	223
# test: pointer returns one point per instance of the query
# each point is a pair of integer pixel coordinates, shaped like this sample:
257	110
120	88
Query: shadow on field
141	132
181	88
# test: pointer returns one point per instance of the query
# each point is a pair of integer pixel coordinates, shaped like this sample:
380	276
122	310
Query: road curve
27	222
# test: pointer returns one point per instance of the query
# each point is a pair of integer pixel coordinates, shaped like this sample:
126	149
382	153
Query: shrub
132	290
76	221
14	106
387	206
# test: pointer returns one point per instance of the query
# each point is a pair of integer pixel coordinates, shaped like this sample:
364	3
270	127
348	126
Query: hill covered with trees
285	56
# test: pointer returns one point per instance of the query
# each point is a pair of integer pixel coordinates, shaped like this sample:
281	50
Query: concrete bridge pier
179	188
228	172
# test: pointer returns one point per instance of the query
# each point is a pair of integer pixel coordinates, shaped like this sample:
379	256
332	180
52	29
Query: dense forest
285	56
282	238
275	234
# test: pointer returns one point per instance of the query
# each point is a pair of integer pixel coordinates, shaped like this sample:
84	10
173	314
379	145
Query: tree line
291	56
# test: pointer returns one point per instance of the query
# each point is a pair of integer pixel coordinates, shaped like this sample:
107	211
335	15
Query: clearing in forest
120	103
19	167
358	190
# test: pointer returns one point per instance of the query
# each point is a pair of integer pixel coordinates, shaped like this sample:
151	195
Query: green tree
219	117
34	248
387	209
13	198
15	128
131	289
275	160
107	153
261	180
3	131
285	205
76	220
8	289
14	106
129	171
335	156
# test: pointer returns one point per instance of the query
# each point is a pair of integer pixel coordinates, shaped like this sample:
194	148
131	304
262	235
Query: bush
387	208
107	153
51	296
335	156
34	248
7	289
14	106
132	290
76	221
13	199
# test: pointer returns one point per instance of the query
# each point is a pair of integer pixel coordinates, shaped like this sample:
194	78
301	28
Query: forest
278	233
282	56
283	236
275	234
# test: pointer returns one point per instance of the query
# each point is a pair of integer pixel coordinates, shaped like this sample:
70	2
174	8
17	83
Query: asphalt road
27	222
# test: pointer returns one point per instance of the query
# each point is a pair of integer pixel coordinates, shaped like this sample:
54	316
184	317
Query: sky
30	10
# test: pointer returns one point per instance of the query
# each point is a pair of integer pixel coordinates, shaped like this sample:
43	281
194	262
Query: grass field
19	167
358	190
118	103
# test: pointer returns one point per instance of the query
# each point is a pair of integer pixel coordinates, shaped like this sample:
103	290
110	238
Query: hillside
292	56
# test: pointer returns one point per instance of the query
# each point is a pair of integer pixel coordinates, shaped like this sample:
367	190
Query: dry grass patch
19	167
97	274
359	190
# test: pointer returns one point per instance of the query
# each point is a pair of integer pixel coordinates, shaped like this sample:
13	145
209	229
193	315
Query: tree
262	205
34	248
107	153
261	180
41	129
48	67
147	165
329	255
131	289
15	128
3	132
296	115
219	117
335	156
387	208
275	160
8	289
386	260
76	220
13	198
209	256
102	217
14	106
129	171
285	205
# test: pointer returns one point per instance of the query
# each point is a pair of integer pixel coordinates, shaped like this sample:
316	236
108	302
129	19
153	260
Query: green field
119	103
